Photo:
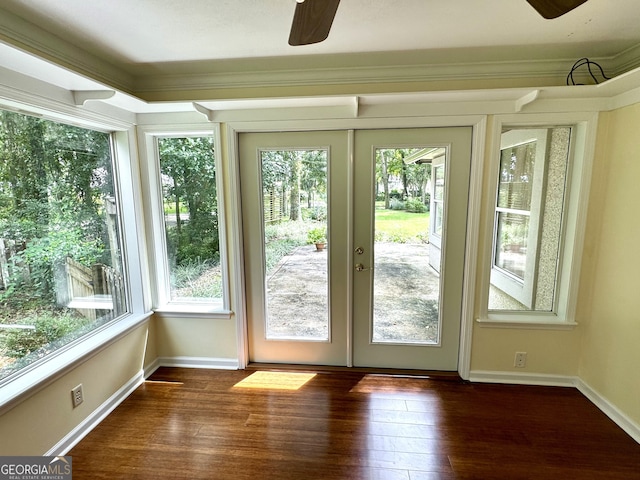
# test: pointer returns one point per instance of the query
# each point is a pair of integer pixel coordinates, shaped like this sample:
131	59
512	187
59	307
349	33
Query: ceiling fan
313	18
554	8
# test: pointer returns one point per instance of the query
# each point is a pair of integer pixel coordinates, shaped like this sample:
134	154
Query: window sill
58	364
529	323
191	310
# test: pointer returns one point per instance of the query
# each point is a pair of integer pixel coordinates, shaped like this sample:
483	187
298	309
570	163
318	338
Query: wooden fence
274	206
95	292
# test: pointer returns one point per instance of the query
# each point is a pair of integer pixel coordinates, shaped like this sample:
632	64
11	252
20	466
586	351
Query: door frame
478	123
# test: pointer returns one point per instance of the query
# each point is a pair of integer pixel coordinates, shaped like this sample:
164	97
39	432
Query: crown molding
25	36
381	72
625	61
372	75
231	80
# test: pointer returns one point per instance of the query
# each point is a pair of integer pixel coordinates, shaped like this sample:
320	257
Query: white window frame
435	238
581	153
523	290
152	189
126	179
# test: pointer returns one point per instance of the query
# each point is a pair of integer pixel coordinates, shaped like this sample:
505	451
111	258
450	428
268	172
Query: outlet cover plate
77	396
520	360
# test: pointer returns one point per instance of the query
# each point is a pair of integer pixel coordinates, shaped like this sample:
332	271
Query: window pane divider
514	211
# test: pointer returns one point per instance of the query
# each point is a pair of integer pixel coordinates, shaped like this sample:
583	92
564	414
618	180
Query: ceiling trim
625	61
231	81
346	81
353	75
323	75
25	36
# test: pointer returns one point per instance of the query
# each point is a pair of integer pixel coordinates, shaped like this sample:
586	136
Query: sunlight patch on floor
276	380
390	384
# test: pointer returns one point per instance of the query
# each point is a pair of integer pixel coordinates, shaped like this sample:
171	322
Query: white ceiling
139	46
134	32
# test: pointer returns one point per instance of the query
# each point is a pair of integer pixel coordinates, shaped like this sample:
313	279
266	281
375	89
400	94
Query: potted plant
317	236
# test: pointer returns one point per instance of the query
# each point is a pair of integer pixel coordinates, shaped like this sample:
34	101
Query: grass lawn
401	226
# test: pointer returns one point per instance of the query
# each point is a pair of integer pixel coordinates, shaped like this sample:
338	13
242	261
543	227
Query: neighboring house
599	354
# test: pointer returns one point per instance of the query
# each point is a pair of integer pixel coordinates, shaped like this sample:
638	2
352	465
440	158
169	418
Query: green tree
23	173
189	182
54	179
314	175
389	164
418	176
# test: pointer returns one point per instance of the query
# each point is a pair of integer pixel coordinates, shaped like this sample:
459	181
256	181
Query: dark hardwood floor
204	424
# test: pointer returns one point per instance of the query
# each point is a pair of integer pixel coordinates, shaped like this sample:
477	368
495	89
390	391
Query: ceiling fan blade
554	8
312	21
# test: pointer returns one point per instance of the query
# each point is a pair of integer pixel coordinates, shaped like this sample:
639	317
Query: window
528	218
539	176
190	205
61	255
187	225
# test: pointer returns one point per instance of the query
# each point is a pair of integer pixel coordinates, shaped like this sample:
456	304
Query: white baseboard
613	412
152	367
99	414
516	378
192	362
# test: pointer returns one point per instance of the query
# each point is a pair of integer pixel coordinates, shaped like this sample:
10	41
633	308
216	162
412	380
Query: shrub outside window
61	267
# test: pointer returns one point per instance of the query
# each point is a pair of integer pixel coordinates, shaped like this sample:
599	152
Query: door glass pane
294	196
406	287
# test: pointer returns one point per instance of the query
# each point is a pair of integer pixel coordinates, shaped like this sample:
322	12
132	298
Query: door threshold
395	372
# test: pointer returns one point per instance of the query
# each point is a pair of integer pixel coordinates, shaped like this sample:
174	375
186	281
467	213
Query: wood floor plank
200	424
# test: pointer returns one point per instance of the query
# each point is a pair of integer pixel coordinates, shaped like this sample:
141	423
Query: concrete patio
406	294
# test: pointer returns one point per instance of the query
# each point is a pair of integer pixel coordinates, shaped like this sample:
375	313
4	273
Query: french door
296	295
379	294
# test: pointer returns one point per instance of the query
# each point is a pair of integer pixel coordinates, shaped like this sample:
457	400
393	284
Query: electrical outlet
77	396
520	360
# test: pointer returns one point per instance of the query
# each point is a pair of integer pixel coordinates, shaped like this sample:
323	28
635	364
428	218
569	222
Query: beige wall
609	299
195	337
34	426
549	352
